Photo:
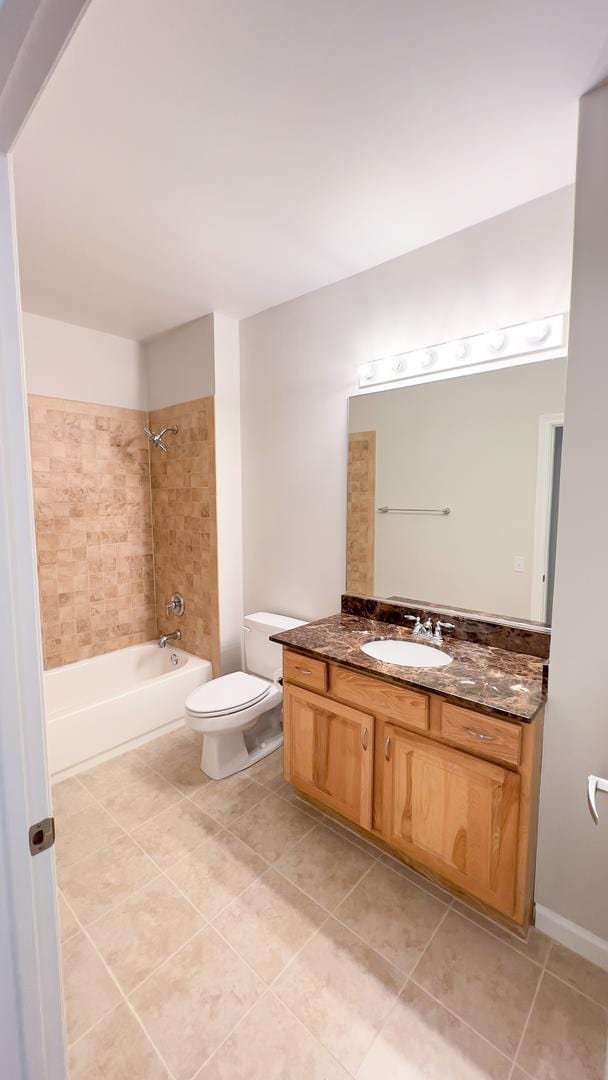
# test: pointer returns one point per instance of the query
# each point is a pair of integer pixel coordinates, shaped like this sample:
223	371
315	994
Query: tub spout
164	638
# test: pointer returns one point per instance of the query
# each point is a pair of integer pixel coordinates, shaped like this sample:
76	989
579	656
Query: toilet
239	714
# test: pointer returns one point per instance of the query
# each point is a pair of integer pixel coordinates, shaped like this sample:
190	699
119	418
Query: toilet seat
227	694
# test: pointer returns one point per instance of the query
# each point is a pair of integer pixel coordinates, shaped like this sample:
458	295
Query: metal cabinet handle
387	747
303	671
364	738
479	735
594	784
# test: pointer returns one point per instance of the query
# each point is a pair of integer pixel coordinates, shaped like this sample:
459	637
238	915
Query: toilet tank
262	656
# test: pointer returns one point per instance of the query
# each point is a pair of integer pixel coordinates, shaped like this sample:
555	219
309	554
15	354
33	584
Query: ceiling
190	156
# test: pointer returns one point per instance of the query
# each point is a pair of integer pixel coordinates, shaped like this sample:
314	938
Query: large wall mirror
453	491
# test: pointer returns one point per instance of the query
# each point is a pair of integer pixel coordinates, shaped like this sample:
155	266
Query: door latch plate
42	835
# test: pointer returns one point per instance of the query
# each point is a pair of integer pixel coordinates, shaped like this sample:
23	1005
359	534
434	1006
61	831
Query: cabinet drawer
381	698
482	735
304	671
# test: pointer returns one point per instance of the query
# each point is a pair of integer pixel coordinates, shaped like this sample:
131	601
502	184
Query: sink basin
406	653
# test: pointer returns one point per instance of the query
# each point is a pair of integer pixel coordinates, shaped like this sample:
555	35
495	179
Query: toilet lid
227	694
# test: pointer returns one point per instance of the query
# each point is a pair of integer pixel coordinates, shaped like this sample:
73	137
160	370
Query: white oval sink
406	653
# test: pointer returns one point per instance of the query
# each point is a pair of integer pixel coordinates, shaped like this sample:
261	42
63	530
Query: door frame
33	1046
542	514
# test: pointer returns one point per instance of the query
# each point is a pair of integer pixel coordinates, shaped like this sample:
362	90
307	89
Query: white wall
299	364
573	852
74	362
472	444
180	363
229	489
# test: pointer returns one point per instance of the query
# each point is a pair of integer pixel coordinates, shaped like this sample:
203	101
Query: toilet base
231	752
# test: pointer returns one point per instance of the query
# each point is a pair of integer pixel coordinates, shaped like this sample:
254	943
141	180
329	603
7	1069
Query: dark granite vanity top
497	682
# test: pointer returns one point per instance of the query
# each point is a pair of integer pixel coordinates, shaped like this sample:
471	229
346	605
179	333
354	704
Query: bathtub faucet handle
176	605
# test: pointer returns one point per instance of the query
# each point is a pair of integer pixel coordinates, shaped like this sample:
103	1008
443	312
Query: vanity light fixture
543	339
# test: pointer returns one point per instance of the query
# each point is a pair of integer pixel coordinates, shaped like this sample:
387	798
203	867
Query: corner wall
572	882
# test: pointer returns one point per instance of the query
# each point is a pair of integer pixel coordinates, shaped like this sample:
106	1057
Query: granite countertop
500	683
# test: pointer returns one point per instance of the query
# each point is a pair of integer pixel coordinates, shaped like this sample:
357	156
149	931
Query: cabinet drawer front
304	671
382	698
482	735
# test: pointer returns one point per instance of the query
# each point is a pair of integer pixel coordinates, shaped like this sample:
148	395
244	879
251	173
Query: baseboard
574	937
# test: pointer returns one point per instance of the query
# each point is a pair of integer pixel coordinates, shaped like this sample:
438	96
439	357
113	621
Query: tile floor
227	931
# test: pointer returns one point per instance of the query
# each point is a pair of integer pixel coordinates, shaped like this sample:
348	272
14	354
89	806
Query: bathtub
97	707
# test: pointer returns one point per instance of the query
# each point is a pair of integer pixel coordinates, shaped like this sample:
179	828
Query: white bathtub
96	707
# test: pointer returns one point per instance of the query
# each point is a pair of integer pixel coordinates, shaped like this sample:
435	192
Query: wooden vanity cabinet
452	791
328	753
453	813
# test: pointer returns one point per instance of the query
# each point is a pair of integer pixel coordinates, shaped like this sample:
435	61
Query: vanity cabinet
450	790
453	813
328	753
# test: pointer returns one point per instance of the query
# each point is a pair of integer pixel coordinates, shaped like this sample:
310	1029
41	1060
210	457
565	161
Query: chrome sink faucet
164	638
425	630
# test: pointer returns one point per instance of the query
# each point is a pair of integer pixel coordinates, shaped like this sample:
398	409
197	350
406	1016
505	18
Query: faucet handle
439	626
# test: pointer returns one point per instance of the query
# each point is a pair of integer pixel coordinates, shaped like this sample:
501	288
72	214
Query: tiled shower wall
185	528
91	477
96	546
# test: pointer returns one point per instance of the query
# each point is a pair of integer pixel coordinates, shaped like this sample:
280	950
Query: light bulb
367	372
496	341
460	350
428	359
537	332
397	364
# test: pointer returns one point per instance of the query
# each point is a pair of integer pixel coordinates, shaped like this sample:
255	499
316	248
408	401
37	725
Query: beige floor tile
225	800
269	923
79	834
191	1003
144	931
175	832
216	872
580	973
159	751
68	797
353	837
341	990
184	772
105	780
269	769
133	795
325	866
393	916
88	990
116	1049
487	984
417	879
535	947
272	826
68	925
422	1039
566	1036
270	1044
104	879
280	787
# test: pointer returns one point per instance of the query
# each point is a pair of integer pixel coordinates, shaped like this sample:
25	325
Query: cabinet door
453	813
329	752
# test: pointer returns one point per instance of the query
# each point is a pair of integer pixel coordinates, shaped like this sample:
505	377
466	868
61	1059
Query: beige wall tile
83	459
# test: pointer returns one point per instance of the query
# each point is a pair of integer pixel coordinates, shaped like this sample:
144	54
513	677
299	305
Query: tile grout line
464	915
541	976
124	1000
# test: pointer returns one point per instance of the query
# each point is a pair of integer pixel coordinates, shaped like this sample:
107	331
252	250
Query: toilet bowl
239	715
